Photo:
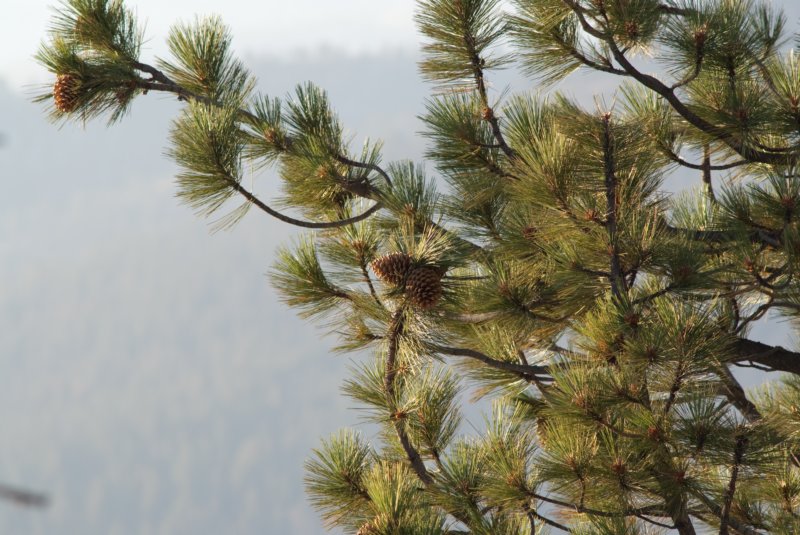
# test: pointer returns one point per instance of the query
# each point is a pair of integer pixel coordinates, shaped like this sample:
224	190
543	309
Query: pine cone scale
65	92
392	268
424	287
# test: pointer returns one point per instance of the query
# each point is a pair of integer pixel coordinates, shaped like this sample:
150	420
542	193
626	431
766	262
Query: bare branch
736	395
776	358
525	370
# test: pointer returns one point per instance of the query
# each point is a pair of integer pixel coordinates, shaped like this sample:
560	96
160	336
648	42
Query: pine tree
543	263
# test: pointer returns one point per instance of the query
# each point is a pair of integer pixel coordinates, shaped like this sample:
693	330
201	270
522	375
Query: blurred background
150	381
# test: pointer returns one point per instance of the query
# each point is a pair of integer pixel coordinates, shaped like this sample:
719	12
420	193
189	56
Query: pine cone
65	92
424	287
392	268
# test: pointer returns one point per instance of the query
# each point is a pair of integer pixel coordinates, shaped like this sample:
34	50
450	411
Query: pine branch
525	371
654	522
716	510
163	83
656	85
364	165
738	455
578	508
300	223
737	396
765	236
706	175
533	515
703	166
462	32
616	277
396	328
775	357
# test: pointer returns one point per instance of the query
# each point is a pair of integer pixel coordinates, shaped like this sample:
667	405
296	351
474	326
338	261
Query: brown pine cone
392	268
65	92
424	287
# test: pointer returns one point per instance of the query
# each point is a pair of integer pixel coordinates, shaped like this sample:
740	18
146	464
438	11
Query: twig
738	454
395	329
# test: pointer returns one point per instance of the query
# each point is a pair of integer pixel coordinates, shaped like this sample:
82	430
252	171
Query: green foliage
601	314
302	281
208	144
462	34
203	62
97	42
336	478
546	33
101	28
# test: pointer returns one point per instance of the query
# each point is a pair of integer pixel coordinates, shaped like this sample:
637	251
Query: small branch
368	280
716	510
763	236
617	280
677	382
614	429
756	315
656	85
575	53
706	168
753	366
161	82
738	454
700	167
395	330
654	522
364	165
480	83
650	510
647	298
699	50
672	10
481	317
533	514
525	370
736	395
298	222
594	272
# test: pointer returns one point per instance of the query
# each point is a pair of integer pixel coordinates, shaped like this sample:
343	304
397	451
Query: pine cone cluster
65	92
392	268
423	285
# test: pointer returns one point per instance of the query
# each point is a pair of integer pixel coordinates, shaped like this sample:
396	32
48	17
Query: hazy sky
266	27
150	381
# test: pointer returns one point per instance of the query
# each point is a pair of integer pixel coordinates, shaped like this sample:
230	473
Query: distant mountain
150	381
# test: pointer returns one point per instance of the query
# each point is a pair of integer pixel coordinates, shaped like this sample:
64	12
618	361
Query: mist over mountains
150	381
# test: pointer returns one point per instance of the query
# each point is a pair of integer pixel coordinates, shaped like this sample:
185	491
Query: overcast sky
150	381
264	28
